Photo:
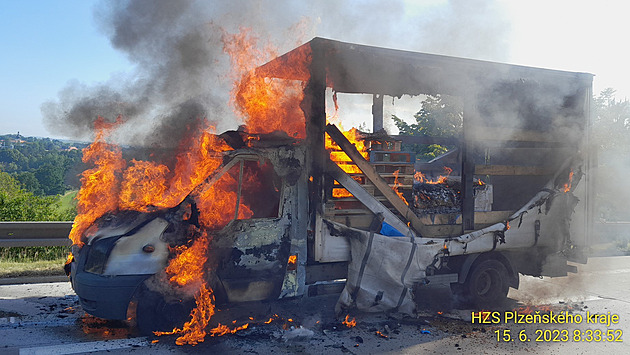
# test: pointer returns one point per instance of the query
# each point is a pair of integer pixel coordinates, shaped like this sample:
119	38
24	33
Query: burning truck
287	208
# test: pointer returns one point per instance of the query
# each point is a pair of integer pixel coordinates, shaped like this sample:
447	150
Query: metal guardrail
34	234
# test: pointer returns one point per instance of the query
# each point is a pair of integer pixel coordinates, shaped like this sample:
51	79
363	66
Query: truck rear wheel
486	285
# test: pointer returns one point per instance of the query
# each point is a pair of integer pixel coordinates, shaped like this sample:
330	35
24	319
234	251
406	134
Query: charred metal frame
353	68
359	69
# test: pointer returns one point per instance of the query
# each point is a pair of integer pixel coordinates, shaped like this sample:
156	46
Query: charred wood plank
513	170
314	107
377	180
364	197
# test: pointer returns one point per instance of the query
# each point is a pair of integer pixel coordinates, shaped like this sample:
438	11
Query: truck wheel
154	313
486	285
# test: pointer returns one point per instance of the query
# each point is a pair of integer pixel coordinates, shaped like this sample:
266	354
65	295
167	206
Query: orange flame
193	332
104	328
343	160
194	162
99	190
220	329
142	186
292	262
69	258
266	104
567	186
339	156
421	178
349	323
397	184
217	203
188	267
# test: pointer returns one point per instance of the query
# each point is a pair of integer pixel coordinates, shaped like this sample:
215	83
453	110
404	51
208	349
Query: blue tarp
390	231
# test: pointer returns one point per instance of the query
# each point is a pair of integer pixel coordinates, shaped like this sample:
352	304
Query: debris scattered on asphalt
297	334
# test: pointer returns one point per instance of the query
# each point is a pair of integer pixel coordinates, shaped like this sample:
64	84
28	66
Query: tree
51	179
611	140
52	163
29	182
611	122
14	157
440	116
17	204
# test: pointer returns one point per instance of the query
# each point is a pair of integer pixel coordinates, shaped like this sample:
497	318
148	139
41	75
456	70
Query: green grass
32	261
68	201
38	261
30	254
32	268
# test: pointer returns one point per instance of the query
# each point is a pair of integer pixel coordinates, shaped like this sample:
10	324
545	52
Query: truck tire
486	285
154	313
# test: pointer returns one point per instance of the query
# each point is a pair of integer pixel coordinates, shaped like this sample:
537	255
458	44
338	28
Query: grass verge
10	269
68	200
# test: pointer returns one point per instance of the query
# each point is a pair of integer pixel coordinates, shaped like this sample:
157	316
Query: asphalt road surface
47	319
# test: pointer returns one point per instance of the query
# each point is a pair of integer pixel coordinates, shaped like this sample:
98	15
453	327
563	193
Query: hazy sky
44	44
47	44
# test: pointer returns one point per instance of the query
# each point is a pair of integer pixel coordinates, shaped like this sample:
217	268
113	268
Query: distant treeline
43	166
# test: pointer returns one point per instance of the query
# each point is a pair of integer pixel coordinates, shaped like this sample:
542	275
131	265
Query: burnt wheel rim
487	283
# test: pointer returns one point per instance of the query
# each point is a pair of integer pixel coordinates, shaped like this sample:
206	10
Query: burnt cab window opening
259	188
249	189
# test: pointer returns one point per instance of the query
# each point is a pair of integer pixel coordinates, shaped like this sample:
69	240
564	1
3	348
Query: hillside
43	166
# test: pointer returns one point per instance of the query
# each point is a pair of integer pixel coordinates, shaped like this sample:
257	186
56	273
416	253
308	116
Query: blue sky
46	44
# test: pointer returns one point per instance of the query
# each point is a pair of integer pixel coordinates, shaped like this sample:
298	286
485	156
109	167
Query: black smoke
181	74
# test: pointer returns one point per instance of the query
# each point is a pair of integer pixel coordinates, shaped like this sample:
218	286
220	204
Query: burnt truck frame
525	129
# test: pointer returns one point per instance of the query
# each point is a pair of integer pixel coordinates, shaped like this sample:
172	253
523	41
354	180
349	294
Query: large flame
100	185
343	160
194	331
266	104
187	268
114	184
217	204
